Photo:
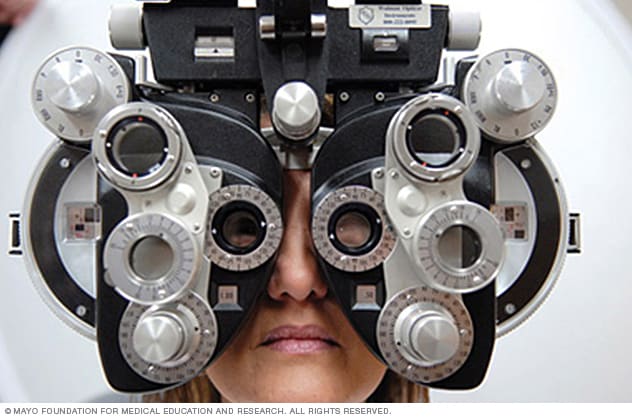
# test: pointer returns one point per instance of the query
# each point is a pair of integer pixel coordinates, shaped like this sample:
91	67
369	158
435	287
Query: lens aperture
353	230
241	229
435	139
460	247
137	146
151	258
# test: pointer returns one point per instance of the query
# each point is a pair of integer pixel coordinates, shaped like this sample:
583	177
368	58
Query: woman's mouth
299	340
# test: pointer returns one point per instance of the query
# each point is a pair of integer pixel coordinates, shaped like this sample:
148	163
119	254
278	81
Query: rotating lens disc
460	247
434	137
191	358
350	229
422	301
244	228
138	146
150	258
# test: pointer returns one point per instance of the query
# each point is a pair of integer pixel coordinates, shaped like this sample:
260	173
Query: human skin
298	346
13	12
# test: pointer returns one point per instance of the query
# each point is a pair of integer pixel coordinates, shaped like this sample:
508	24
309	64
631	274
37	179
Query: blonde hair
392	389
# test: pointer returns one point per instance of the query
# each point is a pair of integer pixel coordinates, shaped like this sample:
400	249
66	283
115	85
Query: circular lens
460	247
434	139
137	146
353	230
241	229
151	258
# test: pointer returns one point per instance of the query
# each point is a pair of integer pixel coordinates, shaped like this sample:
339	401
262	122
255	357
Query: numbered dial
151	258
512	94
244	228
425	335
76	87
459	247
351	231
171	343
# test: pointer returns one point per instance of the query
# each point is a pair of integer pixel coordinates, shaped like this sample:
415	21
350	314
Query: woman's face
298	345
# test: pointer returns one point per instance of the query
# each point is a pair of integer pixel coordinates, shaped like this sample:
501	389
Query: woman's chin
296	381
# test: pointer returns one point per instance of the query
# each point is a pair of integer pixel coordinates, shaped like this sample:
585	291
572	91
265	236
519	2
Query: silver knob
434	338
126	26
512	93
427	335
160	337
72	86
296	112
519	87
75	88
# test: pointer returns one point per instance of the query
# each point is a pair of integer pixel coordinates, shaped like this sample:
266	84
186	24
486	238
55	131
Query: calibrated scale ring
150	258
368	239
390	336
74	88
138	146
512	94
194	346
244	227
434	137
460	247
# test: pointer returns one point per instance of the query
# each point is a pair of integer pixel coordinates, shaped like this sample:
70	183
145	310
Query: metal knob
296	113
427	336
72	86
160	337
434	338
519	87
126	26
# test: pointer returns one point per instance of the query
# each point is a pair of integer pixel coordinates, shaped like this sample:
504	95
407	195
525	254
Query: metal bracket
574	234
15	234
267	26
296	158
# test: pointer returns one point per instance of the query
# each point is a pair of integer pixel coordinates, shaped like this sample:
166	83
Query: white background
575	349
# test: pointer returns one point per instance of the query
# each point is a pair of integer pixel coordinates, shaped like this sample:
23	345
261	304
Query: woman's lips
299	340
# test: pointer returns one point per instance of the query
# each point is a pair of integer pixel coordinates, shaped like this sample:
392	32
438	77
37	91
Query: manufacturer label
390	16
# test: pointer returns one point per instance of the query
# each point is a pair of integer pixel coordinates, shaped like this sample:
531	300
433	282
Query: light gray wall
625	6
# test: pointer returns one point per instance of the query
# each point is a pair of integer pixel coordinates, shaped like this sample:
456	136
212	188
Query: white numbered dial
151	258
169	343
512	94
75	88
425	335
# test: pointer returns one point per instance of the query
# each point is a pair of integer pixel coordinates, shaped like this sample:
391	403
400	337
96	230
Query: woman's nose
296	275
